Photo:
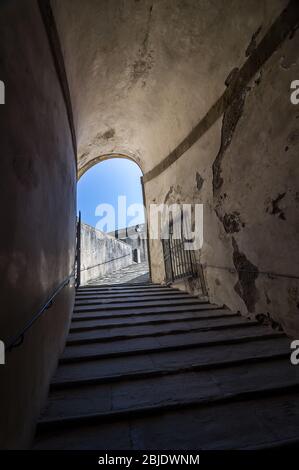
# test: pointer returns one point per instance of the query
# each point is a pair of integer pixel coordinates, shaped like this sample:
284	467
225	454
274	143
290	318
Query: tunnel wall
38	189
244	170
101	254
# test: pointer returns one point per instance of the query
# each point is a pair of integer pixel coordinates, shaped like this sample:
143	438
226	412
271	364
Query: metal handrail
19	338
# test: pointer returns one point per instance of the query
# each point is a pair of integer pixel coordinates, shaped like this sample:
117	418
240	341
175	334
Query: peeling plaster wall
37	235
101	254
245	171
257	201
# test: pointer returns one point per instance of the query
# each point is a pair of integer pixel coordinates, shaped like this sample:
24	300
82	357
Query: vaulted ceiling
141	73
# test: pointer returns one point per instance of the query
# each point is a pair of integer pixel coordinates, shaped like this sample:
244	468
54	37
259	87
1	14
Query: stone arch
107	156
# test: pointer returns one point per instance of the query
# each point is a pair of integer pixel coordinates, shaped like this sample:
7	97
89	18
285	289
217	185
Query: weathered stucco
101	254
245	172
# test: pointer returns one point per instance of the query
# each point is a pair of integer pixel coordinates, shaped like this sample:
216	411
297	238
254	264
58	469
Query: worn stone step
116	322
116	368
128	283
128	297
251	423
79	404
114	287
162	360
144	311
140	296
125	294
98	306
157	330
179	341
109	300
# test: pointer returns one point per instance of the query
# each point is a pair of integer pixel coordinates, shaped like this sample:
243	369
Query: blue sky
103	183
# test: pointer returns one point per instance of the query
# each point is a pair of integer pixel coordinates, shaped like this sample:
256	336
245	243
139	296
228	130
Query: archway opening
113	233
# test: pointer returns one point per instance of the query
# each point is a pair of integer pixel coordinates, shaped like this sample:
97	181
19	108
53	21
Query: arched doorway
113	227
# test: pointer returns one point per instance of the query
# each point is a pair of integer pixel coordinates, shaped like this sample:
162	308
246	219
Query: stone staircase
150	367
134	273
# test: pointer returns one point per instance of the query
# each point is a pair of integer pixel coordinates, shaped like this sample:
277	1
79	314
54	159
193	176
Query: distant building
135	236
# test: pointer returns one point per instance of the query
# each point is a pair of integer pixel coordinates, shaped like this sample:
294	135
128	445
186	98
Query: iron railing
179	262
18	339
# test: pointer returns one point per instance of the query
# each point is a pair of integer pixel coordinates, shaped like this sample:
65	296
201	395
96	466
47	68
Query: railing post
78	252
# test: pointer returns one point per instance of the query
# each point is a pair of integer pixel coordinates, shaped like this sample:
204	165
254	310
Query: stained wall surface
244	170
38	206
101	254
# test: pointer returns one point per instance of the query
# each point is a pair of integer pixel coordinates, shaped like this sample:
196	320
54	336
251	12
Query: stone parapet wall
101	254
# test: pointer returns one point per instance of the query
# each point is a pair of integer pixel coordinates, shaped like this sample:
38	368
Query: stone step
200	309
136	320
136	346
119	400
118	286
156	330
108	300
116	369
125	293
128	295
138	303
243	424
